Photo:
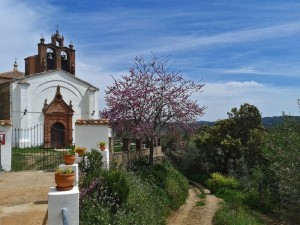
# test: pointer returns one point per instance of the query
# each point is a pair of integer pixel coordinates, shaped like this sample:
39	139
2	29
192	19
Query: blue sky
243	51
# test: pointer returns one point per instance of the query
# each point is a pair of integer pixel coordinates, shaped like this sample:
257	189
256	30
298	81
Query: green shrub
118	184
229	195
219	181
119	197
226	216
166	177
266	204
146	204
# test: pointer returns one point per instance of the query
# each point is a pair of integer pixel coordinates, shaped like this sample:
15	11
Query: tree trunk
151	150
126	142
138	144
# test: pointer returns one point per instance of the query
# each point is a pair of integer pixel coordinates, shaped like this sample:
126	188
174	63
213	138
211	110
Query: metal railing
28	137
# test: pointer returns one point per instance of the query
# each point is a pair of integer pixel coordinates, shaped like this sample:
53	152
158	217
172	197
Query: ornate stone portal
58	122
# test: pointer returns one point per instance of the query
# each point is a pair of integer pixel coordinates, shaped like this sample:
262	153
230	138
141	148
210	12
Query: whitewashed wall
89	135
31	92
6	149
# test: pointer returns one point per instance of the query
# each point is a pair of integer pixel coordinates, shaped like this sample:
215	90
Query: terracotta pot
80	152
64	182
69	159
102	147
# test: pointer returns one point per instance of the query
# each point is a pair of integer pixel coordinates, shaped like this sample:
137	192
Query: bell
64	57
49	56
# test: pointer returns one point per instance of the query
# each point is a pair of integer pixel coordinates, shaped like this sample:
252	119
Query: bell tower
52	56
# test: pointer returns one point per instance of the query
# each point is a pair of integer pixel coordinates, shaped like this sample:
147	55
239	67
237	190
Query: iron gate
36	158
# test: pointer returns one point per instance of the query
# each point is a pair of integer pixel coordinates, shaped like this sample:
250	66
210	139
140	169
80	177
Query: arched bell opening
50	54
64	60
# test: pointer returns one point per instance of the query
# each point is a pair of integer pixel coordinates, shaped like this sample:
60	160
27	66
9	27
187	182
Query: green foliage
93	213
282	152
64	171
264	203
118	184
91	164
200	203
101	143
219	181
71	151
168	178
36	158
226	216
146	204
144	196
231	142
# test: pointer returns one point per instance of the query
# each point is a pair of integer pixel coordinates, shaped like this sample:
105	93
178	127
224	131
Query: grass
144	195
200	203
202	195
240	216
35	158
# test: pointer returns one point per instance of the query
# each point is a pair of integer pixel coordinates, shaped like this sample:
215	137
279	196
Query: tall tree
230	140
150	97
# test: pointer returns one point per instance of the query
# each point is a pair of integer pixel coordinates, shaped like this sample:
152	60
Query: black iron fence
28	137
36	158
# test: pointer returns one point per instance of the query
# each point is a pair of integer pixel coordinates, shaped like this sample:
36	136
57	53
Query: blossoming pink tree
150	97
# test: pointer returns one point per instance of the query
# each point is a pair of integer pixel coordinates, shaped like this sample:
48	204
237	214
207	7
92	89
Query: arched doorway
58	122
57	135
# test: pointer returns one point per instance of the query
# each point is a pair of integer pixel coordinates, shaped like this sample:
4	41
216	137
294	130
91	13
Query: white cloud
246	84
21	26
237	36
220	98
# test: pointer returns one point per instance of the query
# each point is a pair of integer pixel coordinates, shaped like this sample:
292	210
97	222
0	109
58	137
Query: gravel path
191	214
24	197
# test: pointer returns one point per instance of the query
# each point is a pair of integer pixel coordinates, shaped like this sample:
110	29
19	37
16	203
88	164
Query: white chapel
48	94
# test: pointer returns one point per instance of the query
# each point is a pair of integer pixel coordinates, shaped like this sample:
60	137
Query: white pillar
105	158
5	133
57	200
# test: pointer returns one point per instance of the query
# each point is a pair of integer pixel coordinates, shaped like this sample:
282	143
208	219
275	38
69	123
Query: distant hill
267	122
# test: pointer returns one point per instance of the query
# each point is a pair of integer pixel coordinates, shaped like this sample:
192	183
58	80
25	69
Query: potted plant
69	158
102	145
64	179
80	150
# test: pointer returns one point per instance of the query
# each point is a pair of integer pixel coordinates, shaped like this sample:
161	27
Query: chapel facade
49	94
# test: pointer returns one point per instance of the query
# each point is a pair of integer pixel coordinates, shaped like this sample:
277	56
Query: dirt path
24	201
24	197
191	214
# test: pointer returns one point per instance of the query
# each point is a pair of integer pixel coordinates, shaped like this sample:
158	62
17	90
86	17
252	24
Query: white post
58	200
67	200
5	148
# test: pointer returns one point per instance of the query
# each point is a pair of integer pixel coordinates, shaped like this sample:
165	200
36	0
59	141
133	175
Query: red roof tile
92	122
5	123
12	74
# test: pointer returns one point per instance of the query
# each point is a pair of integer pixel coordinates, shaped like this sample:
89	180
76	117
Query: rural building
48	94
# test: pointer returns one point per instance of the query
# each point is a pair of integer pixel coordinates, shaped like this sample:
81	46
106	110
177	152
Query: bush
119	197
166	177
265	204
226	216
118	185
282	151
218	181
